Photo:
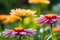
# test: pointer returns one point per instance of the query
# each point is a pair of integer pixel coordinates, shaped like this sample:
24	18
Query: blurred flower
18	32
3	17
56	29
39	1
48	18
11	18
23	13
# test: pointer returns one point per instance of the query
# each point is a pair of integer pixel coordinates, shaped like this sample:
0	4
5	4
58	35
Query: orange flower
3	17
38	1
11	18
56	29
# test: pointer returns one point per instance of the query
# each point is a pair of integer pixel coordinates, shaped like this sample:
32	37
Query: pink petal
29	32
52	21
58	18
42	20
18	35
9	33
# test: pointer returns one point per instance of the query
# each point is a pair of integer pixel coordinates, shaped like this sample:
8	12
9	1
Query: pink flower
48	19
18	32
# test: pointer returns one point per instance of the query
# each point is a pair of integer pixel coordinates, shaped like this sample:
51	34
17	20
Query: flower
3	17
18	32
39	1
11	18
23	13
48	18
56	29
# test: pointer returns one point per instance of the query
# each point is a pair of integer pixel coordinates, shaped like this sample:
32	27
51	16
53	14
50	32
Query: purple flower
48	19
18	32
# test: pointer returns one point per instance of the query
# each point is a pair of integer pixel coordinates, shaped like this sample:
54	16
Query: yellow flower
23	12
39	1
11	18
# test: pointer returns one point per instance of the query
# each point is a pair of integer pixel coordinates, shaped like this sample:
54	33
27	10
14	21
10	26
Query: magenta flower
48	19
18	32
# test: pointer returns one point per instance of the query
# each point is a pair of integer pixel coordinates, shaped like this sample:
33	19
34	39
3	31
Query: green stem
2	26
22	22
37	33
51	26
19	39
39	10
43	35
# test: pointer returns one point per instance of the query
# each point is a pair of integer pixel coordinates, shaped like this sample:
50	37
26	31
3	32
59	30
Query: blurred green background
7	5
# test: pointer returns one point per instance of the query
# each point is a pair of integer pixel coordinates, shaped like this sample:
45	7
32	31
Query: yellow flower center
50	16
19	29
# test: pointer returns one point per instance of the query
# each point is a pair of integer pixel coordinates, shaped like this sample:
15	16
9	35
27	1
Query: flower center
50	16
19	29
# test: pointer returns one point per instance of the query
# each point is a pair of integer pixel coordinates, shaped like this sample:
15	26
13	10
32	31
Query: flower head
19	32
48	18
22	12
11	18
3	17
39	1
56	29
